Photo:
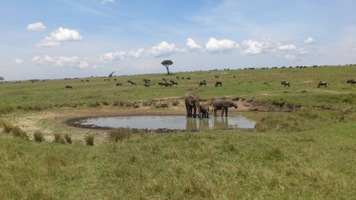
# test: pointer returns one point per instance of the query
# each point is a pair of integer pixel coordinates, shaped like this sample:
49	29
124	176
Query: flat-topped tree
167	63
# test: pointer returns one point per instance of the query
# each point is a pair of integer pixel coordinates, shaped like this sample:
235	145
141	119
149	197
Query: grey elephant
224	105
204	109
192	104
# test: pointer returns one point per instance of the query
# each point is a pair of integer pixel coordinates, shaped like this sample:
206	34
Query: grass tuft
18	132
89	140
119	134
58	138
38	136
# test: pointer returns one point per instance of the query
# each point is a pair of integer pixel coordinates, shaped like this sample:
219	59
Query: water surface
176	122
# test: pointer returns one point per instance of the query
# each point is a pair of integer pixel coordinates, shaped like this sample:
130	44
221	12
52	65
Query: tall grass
307	153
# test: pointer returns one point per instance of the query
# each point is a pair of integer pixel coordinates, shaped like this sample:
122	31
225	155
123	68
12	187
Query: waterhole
174	122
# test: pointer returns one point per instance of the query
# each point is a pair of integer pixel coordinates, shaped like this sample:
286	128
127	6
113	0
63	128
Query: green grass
305	154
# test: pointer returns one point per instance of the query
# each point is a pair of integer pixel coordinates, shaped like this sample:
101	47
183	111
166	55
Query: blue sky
50	39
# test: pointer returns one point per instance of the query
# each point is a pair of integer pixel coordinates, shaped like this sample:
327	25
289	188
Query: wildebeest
173	82
132	83
118	84
351	81
146	85
322	83
218	83
202	83
285	83
68	87
216	76
165	84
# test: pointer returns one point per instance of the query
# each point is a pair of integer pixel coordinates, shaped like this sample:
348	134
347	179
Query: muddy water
176	122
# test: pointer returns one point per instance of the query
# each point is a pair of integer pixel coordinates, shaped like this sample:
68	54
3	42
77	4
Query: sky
55	39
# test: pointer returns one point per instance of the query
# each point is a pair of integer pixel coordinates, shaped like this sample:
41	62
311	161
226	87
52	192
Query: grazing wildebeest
216	76
165	84
322	83
218	83
146	85
285	83
118	84
132	83
174	82
202	83
224	105
69	87
351	81
188	78
146	80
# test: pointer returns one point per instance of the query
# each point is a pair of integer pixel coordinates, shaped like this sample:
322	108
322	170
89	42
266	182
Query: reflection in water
170	122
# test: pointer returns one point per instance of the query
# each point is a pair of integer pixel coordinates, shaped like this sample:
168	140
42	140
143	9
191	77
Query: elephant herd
192	105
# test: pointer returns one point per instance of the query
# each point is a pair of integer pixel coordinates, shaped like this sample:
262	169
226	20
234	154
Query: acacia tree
2	78
167	63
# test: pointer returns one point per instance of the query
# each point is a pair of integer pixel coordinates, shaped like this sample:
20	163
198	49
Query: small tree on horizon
167	63
2	78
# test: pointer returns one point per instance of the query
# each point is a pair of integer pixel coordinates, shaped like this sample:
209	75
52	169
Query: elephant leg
187	108
195	112
226	112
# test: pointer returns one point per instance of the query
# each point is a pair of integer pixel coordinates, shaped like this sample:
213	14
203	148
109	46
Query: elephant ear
226	104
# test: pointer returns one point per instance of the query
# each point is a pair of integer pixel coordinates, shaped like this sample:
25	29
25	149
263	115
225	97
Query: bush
68	138
119	134
7	127
58	138
89	140
18	132
38	136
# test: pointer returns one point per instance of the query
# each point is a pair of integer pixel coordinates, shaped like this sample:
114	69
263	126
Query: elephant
192	104
224	105
204	108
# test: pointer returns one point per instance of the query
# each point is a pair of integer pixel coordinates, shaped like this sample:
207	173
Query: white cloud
107	1
286	47
253	47
60	61
121	55
58	36
290	57
164	49
18	61
191	44
38	26
48	42
63	34
309	40
224	45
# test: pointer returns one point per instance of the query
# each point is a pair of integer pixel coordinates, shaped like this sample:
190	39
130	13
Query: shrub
18	132
175	103
58	138
68	139
89	140
119	134
7	127
38	136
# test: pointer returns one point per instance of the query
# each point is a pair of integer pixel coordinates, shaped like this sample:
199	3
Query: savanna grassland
303	145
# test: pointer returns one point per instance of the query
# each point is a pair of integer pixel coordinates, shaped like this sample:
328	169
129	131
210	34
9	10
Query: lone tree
167	63
1	78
